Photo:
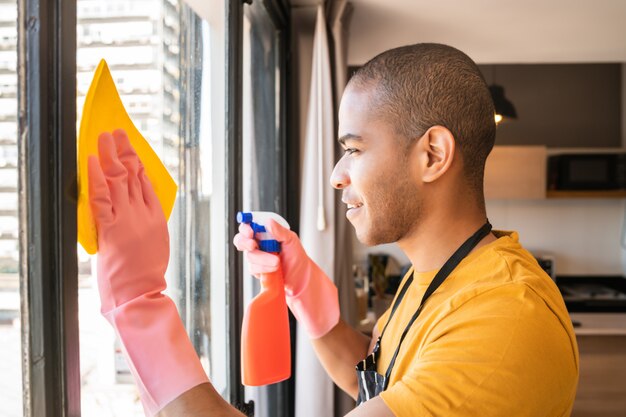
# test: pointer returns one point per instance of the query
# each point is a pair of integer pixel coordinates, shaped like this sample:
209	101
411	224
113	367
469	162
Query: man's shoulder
509	259
507	268
501	261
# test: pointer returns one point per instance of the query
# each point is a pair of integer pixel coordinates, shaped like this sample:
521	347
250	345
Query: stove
601	294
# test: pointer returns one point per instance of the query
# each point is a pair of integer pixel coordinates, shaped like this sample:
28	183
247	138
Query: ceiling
489	31
492	31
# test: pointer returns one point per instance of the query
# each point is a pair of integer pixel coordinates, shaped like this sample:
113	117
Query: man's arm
340	350
200	401
375	407
204	401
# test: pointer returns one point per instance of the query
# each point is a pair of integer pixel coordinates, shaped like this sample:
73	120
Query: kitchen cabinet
561	105
516	172
602	347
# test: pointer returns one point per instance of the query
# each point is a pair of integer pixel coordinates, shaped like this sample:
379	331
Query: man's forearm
200	401
339	351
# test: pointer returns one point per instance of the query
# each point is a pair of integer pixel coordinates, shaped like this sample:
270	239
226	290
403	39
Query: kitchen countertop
599	324
596	304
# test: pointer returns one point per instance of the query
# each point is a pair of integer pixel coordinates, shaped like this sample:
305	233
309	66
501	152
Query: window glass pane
167	63
262	165
10	339
199	229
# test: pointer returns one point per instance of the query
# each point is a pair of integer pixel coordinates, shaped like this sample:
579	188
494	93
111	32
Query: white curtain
314	389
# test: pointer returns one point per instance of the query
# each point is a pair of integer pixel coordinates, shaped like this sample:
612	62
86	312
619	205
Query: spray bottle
265	342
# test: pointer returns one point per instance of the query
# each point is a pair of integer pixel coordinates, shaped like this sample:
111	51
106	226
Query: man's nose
339	179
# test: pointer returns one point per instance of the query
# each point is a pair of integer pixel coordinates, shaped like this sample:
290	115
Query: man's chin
362	236
366	242
369	239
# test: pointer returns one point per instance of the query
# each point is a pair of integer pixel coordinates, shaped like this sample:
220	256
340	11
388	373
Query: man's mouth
354	208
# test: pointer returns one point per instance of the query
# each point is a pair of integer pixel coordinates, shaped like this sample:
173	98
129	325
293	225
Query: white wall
582	234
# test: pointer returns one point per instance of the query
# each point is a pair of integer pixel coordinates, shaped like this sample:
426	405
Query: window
178	72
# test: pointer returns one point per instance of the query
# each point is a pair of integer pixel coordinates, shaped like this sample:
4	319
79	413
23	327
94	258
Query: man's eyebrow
348	136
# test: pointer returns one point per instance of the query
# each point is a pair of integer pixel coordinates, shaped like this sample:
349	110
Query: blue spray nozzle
257	221
244	217
269	245
257	228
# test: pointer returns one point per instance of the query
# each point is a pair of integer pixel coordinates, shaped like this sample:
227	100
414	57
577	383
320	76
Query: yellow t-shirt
494	340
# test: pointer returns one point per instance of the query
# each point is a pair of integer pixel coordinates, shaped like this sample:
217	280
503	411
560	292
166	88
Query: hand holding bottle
311	295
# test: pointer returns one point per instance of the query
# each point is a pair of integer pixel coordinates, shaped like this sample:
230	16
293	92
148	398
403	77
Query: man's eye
350	151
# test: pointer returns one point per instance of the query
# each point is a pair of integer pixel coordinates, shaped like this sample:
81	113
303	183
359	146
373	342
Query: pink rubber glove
133	252
311	295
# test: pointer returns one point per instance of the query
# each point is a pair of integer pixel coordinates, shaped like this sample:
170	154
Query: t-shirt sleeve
502	353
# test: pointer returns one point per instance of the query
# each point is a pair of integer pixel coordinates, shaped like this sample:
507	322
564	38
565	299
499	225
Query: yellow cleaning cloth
104	112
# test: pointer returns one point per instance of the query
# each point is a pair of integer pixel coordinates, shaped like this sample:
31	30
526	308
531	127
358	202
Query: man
477	328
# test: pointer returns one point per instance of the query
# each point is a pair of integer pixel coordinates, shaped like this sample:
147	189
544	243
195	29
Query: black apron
371	383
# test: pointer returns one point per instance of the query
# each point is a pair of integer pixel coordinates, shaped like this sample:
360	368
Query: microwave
587	171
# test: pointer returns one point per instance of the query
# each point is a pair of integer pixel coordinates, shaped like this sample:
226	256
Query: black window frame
280	397
47	207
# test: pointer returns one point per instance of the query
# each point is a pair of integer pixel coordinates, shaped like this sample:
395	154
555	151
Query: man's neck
439	236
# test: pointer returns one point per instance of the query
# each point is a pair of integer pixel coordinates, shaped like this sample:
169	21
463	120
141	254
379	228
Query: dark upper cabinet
560	105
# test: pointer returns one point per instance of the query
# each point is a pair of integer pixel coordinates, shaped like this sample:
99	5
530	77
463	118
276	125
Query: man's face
375	173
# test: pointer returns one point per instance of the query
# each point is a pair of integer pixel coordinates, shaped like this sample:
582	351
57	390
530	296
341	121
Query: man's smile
353	208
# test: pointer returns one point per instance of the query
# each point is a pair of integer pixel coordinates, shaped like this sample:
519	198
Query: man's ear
437	147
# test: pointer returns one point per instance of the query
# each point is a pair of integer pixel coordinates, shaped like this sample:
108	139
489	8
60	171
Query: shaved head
423	85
